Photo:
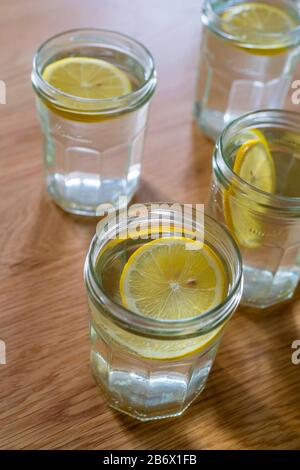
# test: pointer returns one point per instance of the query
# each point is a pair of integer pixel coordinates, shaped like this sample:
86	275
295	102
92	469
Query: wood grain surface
48	399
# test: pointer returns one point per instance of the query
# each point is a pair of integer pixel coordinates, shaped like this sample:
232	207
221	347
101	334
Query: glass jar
146	367
266	226
93	147
237	72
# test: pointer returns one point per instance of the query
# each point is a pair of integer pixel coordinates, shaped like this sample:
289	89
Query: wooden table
48	399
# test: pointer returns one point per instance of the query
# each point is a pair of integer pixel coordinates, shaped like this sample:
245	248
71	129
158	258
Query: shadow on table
245	414
148	193
153	434
258	420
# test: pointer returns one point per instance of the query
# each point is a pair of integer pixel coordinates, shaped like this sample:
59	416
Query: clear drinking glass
153	368
93	147
239	73
266	226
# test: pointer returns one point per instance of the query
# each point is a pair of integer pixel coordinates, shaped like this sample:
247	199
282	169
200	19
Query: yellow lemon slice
151	348
165	280
248	20
86	77
253	164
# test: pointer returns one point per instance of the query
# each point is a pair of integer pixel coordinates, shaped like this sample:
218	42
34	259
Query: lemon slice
86	77
253	164
165	280
151	348
248	20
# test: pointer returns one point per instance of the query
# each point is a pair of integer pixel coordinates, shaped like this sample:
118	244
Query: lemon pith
253	164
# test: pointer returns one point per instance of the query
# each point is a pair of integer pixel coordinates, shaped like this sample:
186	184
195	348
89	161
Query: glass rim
234	177
186	327
42	85
212	19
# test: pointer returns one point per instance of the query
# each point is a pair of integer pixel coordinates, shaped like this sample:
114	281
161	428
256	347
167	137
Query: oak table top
48	399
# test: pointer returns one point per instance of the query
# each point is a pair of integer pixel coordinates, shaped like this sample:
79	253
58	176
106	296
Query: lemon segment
255	165
86	77
166	281
248	20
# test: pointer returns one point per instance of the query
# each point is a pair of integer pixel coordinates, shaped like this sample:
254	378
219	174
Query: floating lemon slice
165	280
86	77
248	20
253	164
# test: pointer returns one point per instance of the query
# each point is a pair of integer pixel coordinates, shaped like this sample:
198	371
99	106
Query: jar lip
49	91
281	201
211	18
161	327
